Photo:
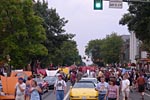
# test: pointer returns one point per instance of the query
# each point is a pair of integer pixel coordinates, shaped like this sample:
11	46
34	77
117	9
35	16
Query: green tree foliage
67	54
107	49
58	41
94	50
138	20
21	32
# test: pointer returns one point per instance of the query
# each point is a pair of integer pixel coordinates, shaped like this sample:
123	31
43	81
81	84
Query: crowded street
74	49
133	96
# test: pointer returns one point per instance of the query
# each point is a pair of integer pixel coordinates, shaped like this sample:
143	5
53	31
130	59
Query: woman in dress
27	90
35	91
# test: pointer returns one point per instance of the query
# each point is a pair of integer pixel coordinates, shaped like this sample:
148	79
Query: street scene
74	49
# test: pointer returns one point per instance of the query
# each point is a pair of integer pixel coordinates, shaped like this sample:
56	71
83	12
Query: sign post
116	4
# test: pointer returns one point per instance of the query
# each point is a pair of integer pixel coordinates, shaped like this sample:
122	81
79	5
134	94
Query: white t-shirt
18	91
125	83
102	87
60	85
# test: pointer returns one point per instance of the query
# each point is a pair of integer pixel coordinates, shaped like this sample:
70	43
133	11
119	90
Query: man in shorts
125	87
141	85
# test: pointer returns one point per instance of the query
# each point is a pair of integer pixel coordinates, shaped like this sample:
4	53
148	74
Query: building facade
124	56
134	48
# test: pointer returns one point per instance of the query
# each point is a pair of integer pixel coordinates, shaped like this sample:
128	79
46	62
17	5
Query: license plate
83	98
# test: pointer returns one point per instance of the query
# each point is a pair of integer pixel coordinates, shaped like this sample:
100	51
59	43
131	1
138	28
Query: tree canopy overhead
30	31
105	50
138	20
61	48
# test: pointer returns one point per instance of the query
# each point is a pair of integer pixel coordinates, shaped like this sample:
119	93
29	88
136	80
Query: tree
138	20
57	38
107	49
67	54
94	50
112	48
21	32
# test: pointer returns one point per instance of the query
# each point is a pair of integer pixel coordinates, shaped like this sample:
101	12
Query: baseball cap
20	78
60	75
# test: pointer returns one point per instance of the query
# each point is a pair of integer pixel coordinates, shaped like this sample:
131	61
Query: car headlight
74	96
93	96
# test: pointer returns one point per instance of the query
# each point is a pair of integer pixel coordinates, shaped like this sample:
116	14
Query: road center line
67	95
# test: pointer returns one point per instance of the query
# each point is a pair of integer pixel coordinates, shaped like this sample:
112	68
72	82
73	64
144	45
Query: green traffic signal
98	4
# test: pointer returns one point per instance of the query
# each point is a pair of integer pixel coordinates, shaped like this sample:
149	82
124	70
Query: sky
87	23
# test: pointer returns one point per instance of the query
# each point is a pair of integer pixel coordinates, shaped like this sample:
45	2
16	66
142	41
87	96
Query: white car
94	80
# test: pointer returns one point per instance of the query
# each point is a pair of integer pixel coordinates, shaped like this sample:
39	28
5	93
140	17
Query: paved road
136	96
133	95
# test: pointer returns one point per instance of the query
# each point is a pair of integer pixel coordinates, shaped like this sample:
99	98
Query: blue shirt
102	87
35	95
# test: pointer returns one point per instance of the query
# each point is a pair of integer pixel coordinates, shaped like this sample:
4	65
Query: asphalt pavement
136	95
133	95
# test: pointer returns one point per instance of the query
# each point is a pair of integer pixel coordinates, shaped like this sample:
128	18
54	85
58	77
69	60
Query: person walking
125	87
28	86
102	88
60	88
20	89
73	77
113	91
79	75
100	74
141	85
35	91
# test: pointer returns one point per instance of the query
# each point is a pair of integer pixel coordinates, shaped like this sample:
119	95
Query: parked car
51	81
43	84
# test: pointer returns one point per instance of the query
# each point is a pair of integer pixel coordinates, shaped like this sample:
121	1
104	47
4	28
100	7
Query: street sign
137	0
115	4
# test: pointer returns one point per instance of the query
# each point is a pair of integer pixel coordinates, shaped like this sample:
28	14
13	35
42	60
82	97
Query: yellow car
83	90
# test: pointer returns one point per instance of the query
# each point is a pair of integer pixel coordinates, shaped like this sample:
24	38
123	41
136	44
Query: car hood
83	92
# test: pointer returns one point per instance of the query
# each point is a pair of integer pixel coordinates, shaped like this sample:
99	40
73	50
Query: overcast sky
87	23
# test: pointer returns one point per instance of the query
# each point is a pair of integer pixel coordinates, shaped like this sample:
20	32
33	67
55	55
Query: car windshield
84	85
88	79
22	75
50	78
38	80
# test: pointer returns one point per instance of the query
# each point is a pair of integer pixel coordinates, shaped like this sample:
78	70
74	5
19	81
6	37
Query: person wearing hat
60	88
20	89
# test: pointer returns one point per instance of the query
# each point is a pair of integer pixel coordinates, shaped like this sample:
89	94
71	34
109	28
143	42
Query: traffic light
98	4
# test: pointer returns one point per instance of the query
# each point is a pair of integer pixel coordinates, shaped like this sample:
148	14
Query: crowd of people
113	82
28	90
